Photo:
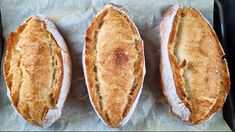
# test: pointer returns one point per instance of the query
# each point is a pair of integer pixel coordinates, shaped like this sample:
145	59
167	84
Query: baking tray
1	37
220	28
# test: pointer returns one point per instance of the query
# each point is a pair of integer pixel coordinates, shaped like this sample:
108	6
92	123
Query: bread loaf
37	71
114	65
194	72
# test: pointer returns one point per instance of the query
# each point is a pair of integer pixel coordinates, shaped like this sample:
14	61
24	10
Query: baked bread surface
33	70
197	63
114	65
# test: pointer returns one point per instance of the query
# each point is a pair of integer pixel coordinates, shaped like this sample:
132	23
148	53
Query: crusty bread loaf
113	63
194	72
37	70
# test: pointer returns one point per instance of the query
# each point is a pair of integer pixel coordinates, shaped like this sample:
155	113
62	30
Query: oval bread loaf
37	71
114	65
194	72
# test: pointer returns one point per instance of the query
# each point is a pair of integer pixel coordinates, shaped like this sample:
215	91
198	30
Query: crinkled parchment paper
72	18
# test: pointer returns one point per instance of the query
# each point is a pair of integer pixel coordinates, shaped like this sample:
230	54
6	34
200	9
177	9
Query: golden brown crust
200	72
33	70
114	64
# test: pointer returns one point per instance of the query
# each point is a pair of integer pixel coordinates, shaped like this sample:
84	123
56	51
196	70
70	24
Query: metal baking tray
1	37
225	37
222	7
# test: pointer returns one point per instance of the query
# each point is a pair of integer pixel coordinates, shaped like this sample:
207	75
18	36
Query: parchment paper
72	18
